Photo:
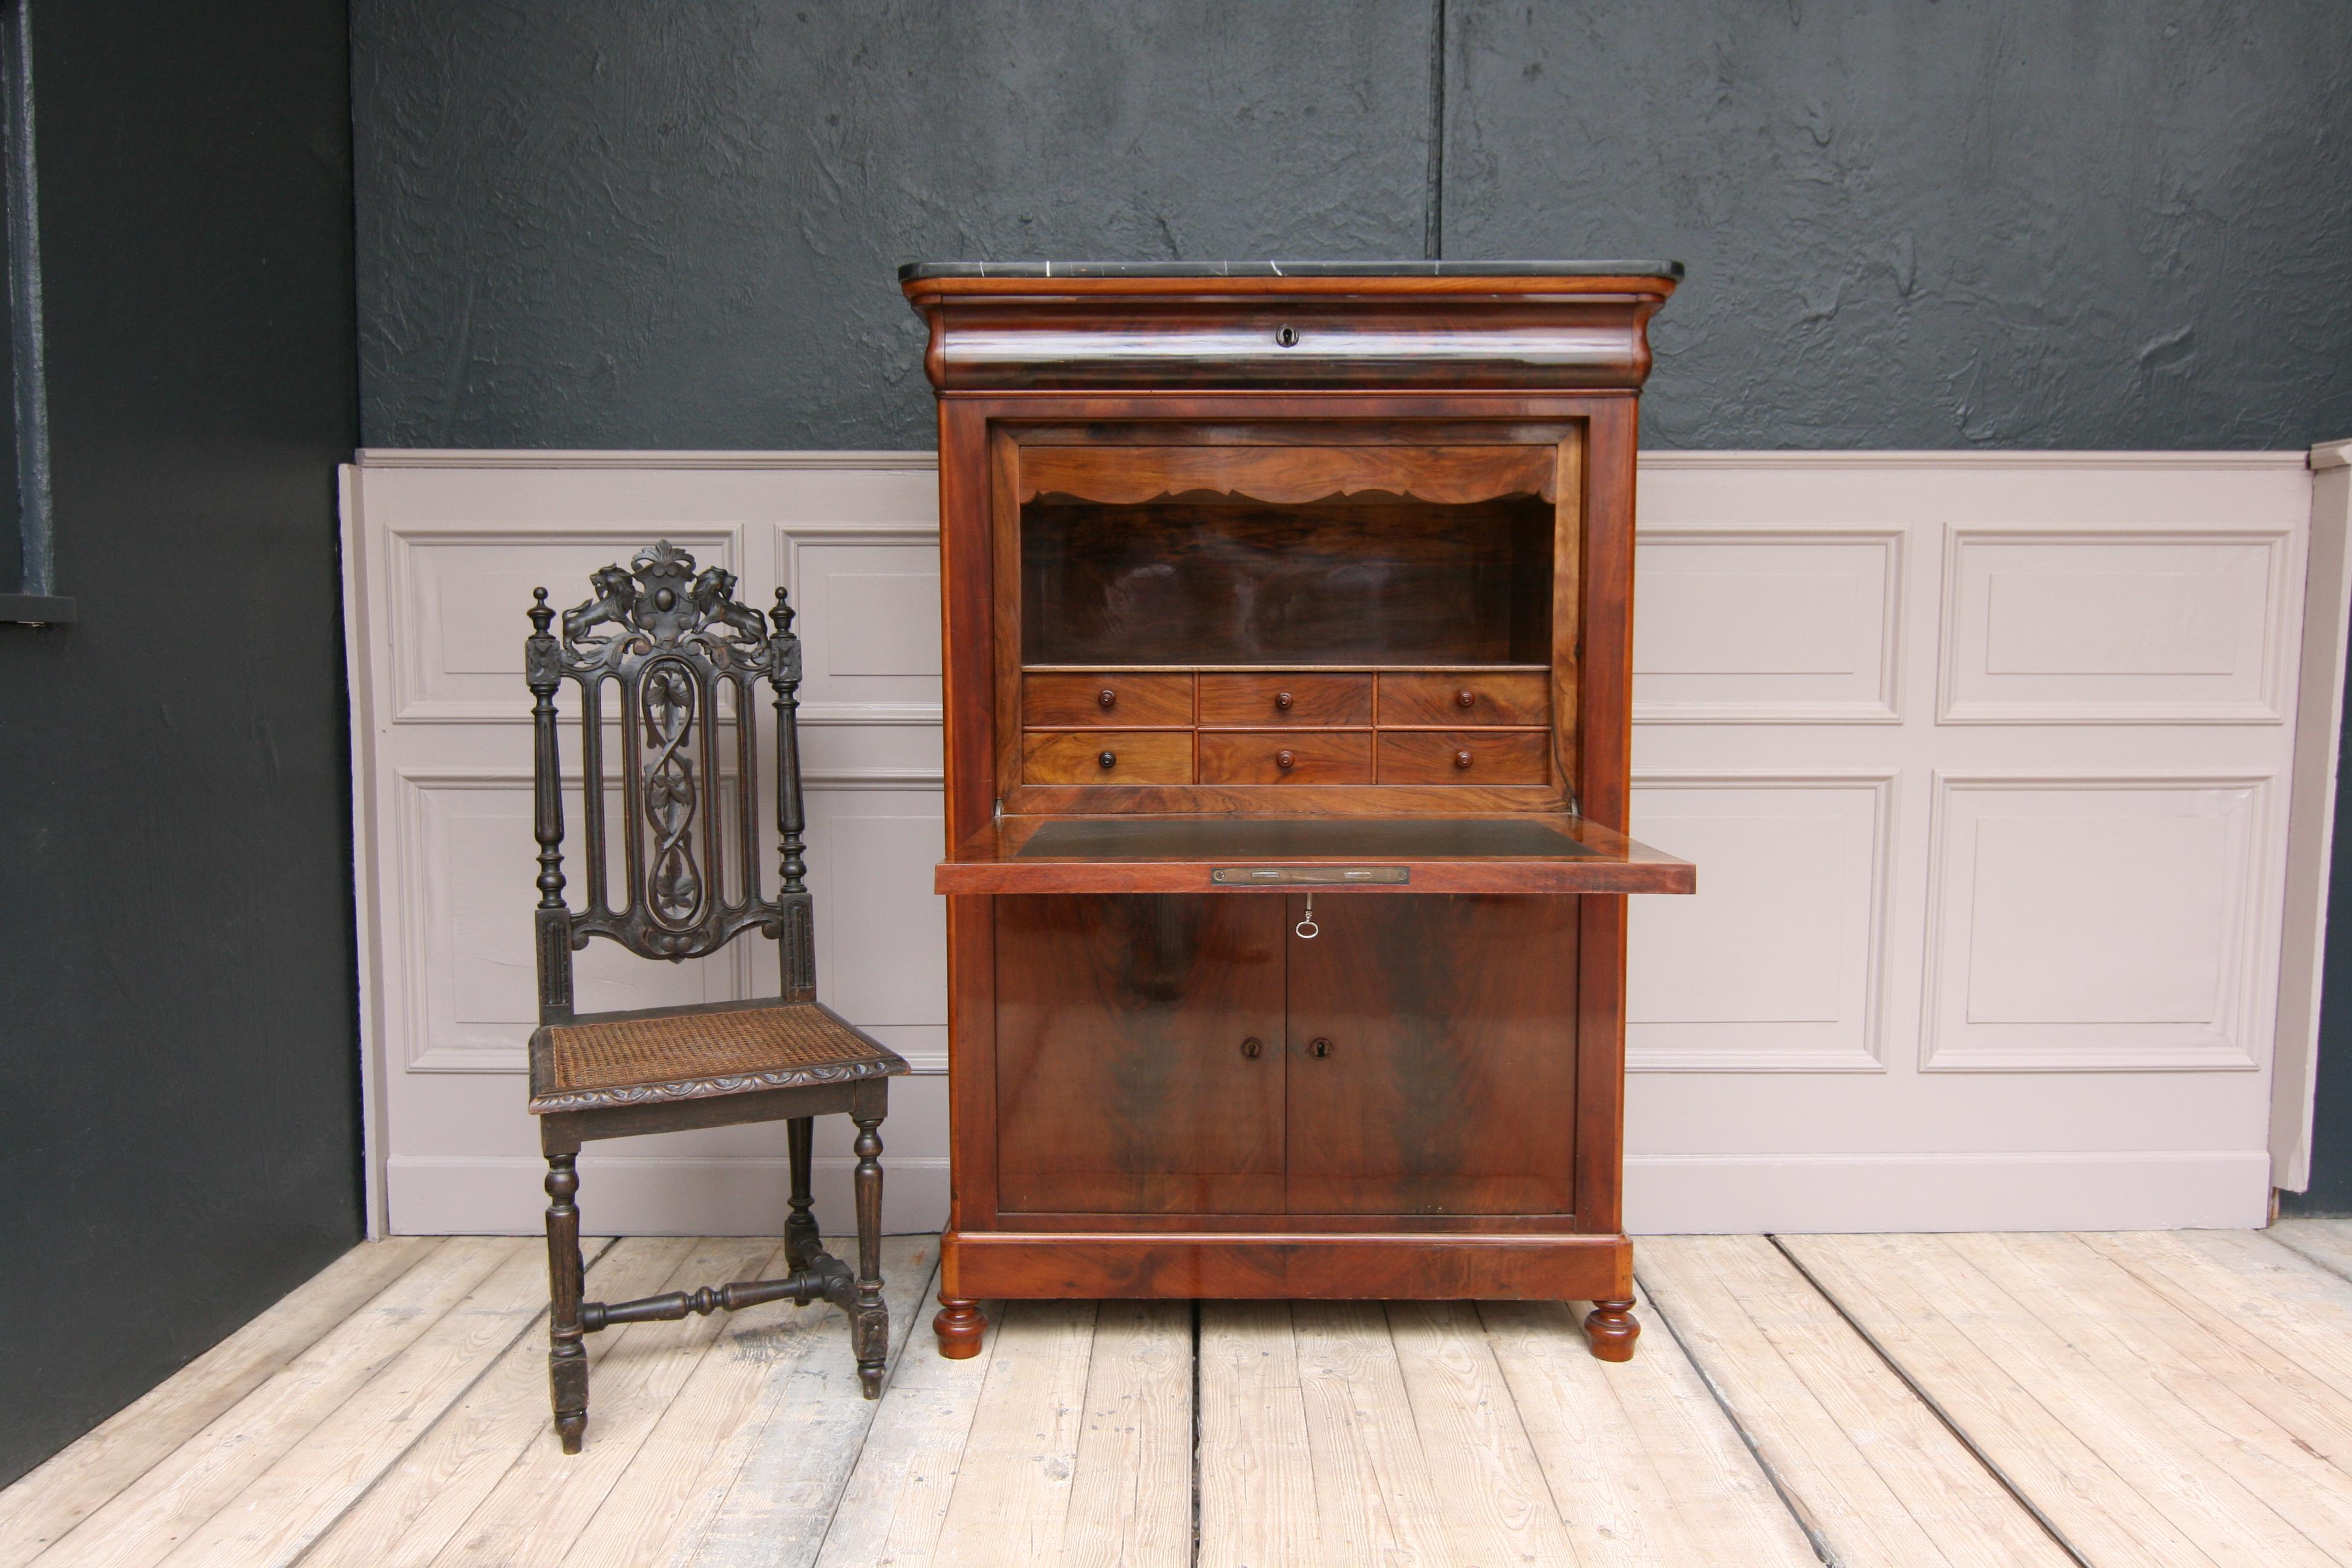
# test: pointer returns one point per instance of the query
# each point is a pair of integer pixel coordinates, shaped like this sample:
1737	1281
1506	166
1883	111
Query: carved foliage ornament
661	601
664	631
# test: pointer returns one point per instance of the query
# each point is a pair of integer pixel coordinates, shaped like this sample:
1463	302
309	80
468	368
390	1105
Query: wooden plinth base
977	1266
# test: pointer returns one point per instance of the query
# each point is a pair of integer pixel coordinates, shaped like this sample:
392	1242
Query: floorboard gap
1196	1433
1797	1510
2049	1527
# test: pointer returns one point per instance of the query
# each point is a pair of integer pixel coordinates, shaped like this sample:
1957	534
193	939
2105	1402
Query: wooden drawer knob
1110	760
1461	759
1283	760
1252	1047
1320	1045
1108	699
1281	701
1464	697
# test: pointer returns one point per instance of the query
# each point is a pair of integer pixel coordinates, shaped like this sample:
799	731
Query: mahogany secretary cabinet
1287	644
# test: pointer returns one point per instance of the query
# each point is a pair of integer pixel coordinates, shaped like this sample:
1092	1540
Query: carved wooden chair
685	659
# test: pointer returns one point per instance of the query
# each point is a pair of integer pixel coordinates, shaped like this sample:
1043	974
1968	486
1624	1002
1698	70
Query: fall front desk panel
1522	852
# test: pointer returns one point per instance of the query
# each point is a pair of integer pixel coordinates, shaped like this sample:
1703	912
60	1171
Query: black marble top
914	271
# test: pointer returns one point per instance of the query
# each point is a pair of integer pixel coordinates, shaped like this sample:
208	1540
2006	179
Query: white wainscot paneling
868	599
1775	964
2097	922
882	933
2131	616
2143	626
1752	626
460	598
468	868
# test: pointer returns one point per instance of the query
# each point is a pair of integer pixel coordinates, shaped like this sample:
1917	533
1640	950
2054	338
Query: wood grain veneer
1288	519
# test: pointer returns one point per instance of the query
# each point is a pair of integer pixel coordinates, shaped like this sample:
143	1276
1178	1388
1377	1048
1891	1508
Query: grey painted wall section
651	226
2003	223
2025	224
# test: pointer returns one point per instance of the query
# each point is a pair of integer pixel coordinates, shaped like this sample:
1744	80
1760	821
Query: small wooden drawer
1466	697
1130	701
1135	756
1286	756
1466	756
1283	700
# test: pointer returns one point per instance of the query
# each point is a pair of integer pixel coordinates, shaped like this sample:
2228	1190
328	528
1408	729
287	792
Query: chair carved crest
680	657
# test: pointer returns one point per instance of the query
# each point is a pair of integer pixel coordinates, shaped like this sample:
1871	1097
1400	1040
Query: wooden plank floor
1940	1401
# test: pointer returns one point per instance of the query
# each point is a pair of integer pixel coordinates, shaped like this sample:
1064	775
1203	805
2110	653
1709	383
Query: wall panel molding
2124	625
1753	643
1720	980
840	691
468	1001
459	616
2069	933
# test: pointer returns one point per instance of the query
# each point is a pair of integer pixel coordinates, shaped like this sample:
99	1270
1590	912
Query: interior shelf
1517	853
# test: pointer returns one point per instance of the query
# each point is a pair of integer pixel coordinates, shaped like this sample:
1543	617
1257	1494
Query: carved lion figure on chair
616	597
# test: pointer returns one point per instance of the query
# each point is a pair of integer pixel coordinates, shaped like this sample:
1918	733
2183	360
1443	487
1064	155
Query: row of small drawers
1492	756
1305	700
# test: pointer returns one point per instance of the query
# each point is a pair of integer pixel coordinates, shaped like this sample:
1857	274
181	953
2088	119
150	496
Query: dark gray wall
178	1126
2008	222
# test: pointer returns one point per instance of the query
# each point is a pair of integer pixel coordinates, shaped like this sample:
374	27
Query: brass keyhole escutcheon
1281	701
1461	759
1283	760
1320	1045
1464	697
1106	697
1252	1047
1287	336
1111	760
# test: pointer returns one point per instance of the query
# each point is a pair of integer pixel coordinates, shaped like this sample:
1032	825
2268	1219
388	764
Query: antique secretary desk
1288	649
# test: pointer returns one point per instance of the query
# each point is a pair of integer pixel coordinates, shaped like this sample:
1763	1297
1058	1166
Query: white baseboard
1665	1194
727	1195
2124	1190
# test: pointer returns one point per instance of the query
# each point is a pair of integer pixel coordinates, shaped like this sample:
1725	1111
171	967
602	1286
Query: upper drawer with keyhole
1453	698
1286	702
1127	701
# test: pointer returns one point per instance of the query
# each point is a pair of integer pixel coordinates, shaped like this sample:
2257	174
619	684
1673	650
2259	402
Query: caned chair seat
698	1053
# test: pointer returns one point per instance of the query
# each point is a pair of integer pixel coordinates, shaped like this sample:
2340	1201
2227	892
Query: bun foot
1611	1330
958	1326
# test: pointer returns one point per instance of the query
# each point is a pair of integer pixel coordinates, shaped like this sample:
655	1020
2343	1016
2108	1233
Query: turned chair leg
801	1240
958	1326
567	1358
869	1319
1611	1330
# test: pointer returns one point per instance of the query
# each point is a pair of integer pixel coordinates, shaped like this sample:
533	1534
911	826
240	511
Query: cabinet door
1448	1084
1123	1081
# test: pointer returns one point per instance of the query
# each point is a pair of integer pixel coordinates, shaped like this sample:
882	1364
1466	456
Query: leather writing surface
1282	838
